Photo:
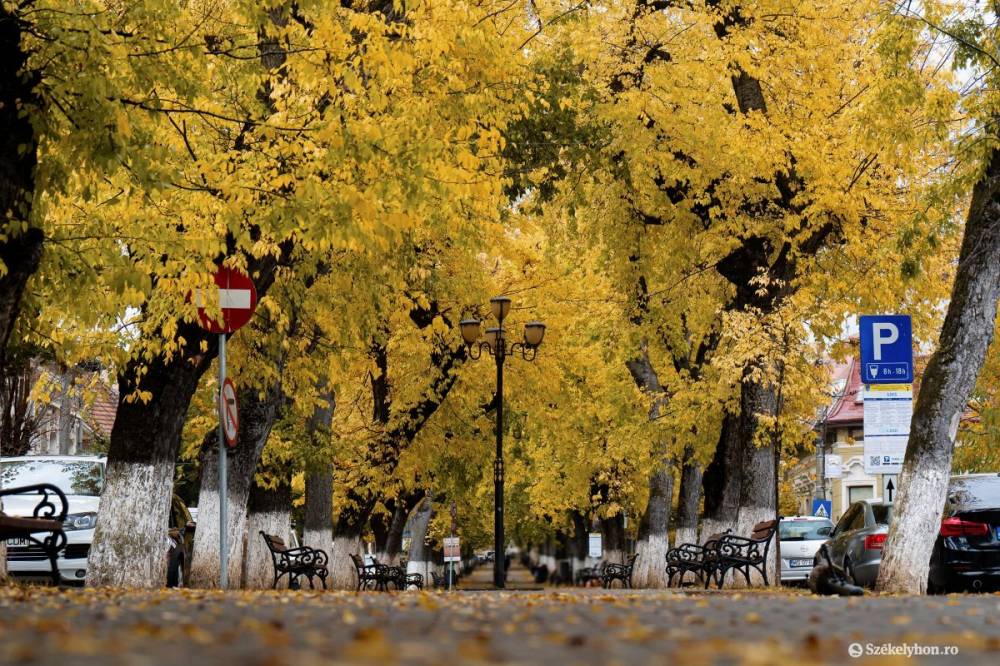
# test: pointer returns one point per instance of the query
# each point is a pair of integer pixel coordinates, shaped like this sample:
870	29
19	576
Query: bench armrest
46	507
306	555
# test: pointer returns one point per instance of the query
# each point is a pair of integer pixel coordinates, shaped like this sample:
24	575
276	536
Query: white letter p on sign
883	334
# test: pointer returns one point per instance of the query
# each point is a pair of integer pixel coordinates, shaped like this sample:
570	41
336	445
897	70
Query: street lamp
496	345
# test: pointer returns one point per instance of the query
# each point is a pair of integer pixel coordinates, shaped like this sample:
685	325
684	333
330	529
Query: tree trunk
347	532
757	491
651	547
580	541
613	538
421	560
722	480
652	544
944	393
20	251
379	524
392	541
687	502
269	511
129	548
257	417
317	528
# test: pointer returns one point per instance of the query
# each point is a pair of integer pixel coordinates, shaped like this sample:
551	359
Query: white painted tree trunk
257	415
343	574
944	393
651	549
653	556
205	556
258	569
130	543
685	535
420	557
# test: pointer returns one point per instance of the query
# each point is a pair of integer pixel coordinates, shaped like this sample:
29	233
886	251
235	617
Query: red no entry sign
229	415
235	296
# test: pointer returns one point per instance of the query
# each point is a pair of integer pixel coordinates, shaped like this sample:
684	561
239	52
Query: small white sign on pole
452	550
596	548
833	466
888	410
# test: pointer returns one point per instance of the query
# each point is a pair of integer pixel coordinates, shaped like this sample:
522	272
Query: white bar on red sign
237	299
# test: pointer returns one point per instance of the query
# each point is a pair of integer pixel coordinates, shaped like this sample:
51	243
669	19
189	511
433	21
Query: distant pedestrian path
518	577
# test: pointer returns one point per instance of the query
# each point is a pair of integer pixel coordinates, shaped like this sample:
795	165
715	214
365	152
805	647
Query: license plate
800	563
17	542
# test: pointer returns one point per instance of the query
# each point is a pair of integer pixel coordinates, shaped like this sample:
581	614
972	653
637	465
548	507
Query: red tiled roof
846	408
103	411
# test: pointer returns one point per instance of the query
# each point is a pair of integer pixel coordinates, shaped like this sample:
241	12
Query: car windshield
70	476
805	530
882	513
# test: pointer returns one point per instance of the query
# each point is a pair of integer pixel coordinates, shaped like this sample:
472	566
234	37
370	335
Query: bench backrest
763	530
274	544
358	562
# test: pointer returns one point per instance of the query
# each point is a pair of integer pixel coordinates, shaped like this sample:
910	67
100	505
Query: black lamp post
496	345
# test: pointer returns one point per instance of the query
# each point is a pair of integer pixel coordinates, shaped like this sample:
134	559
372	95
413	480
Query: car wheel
175	570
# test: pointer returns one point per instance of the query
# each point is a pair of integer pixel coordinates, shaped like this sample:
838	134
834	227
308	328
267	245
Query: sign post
887	372
886	349
236	297
594	546
452	553
822	508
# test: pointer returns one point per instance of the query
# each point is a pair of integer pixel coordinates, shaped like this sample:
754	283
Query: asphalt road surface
191	627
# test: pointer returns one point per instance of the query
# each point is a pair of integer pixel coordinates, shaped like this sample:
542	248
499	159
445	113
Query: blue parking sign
886	349
822	508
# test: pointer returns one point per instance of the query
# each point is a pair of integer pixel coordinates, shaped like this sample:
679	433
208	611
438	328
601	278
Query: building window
857	434
856	493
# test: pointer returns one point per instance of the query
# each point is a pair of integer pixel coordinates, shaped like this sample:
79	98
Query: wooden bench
700	560
295	562
46	518
622	572
736	553
399	578
588	574
379	576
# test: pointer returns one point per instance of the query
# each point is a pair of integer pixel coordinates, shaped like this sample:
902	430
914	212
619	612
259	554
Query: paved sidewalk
194	628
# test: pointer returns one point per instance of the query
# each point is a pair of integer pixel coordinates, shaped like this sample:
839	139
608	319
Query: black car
966	554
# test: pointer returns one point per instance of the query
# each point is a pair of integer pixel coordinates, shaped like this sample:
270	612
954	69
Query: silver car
800	538
855	545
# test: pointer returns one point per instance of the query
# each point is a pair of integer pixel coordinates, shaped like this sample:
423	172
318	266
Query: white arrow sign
890	488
